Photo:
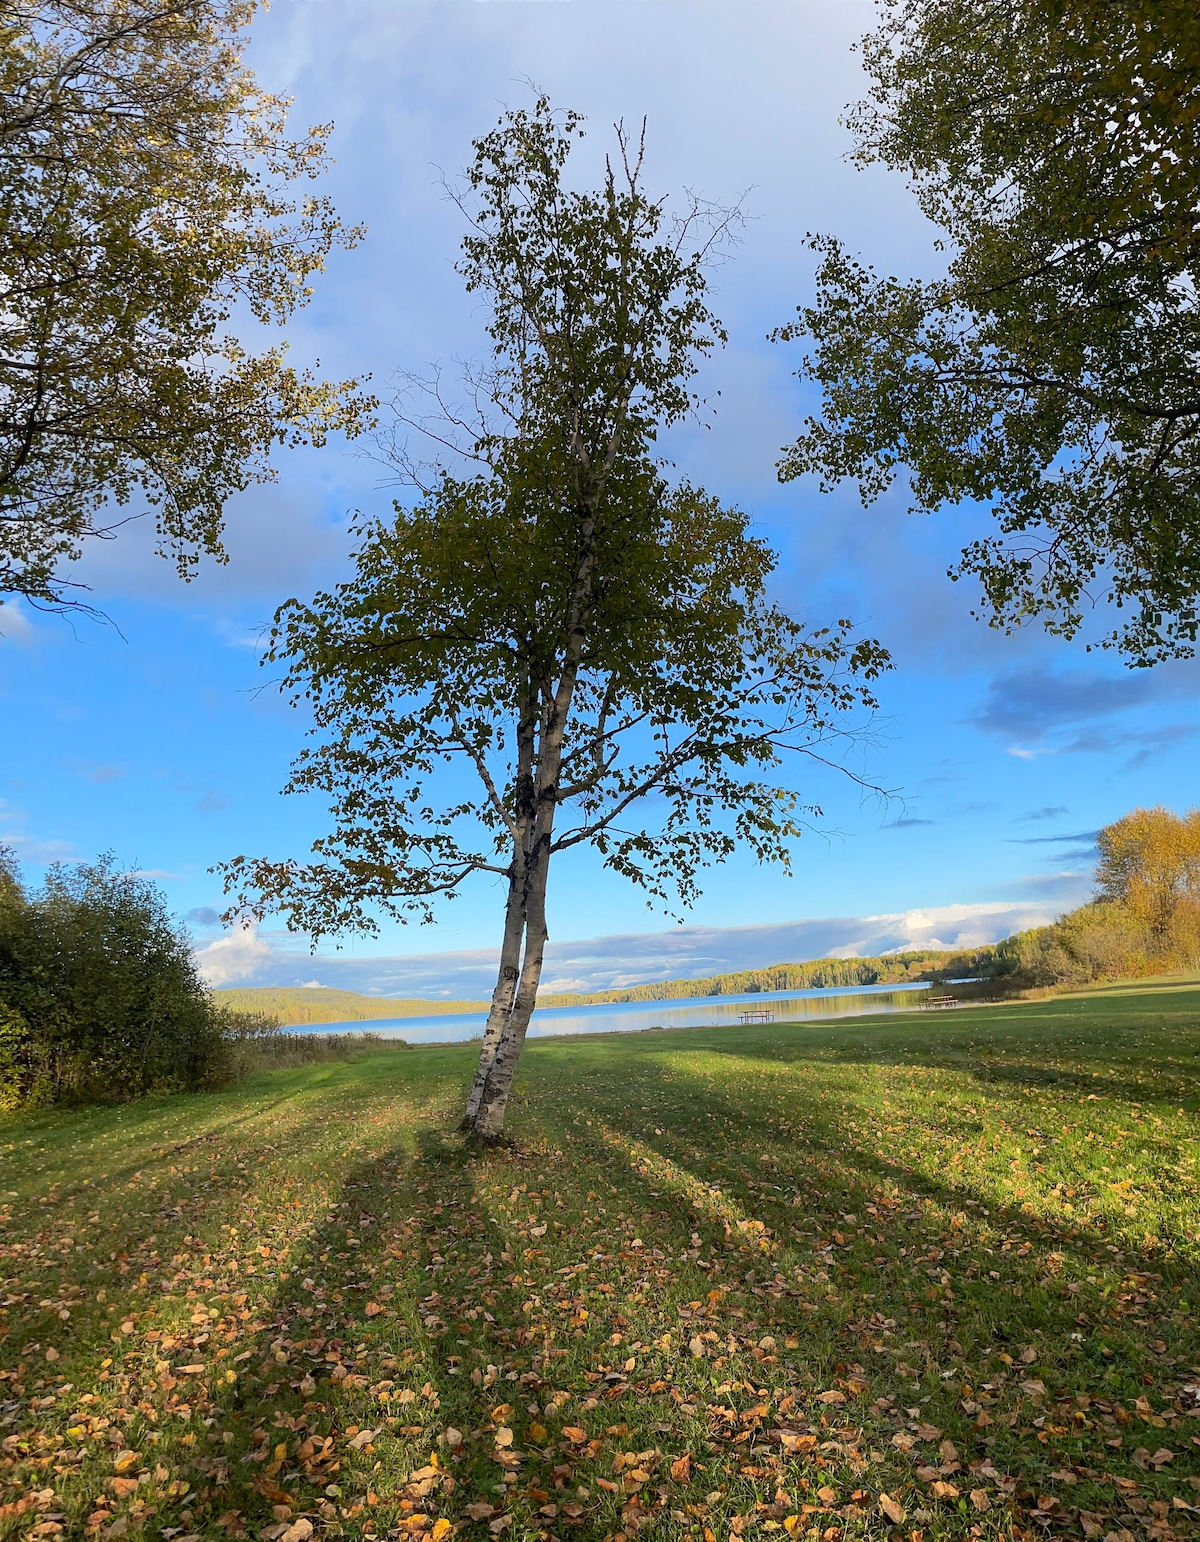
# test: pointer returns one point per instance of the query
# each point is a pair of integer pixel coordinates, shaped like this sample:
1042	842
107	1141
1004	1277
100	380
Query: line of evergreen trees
816	974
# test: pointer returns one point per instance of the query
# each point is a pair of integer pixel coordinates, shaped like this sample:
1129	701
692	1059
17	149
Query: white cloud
236	957
15	623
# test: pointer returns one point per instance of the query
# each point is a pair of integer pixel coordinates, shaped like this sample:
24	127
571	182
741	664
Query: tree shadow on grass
440	1288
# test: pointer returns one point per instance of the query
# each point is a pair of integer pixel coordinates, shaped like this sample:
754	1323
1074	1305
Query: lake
634	1016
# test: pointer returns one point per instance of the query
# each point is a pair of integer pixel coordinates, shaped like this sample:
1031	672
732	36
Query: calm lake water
632	1016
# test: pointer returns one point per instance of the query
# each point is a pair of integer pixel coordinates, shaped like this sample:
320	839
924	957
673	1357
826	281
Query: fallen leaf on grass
681	1468
941	1490
481	1510
363	1438
441	1529
831	1397
892	1508
503	1436
979	1498
299	1531
501	1523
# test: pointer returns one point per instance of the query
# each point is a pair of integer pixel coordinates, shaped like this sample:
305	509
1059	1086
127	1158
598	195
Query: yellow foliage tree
1150	864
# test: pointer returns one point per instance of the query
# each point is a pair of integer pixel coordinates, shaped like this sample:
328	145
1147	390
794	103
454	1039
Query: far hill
297	1005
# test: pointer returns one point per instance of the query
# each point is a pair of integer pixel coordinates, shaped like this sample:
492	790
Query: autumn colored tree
555	647
1052	373
145	196
1150	865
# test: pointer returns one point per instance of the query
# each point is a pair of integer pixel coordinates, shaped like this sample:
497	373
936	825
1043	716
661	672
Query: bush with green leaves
99	993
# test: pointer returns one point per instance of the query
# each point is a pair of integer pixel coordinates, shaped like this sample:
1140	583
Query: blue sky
159	737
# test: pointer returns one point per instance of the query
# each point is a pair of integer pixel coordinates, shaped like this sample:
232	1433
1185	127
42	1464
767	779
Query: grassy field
920	1277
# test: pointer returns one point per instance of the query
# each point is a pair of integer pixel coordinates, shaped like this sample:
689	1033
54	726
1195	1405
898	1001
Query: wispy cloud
100	774
27	847
1052	840
1042	711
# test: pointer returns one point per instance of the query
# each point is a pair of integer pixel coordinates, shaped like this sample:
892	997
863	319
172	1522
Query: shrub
101	997
256	1042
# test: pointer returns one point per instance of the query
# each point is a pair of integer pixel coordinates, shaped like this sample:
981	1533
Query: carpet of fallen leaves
918	1279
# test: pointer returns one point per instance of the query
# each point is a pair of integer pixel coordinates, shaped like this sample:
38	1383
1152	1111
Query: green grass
945	1267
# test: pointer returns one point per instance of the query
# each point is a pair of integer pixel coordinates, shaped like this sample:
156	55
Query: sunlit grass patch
873	1279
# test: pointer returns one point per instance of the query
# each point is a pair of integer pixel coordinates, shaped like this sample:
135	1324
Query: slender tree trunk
492	1105
538	797
505	993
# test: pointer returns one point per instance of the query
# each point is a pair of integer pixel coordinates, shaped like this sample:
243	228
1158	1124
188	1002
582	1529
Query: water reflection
632	1016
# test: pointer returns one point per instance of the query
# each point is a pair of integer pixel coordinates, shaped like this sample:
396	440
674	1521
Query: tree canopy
1053	371
1150	864
145	209
555	646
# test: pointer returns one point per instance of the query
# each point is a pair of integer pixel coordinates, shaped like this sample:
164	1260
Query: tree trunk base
478	1140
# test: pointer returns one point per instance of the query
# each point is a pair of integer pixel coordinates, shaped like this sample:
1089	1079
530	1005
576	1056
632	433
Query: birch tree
555	647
